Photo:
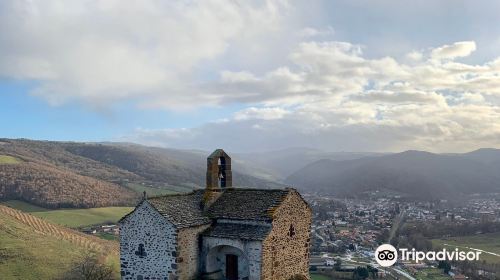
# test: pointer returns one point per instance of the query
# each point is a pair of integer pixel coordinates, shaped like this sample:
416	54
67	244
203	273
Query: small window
291	231
140	251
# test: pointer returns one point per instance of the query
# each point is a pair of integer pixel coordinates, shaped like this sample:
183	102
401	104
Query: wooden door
231	267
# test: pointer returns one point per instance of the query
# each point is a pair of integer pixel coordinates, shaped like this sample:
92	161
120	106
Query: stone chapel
220	232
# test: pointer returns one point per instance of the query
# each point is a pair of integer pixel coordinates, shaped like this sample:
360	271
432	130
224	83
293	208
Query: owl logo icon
386	255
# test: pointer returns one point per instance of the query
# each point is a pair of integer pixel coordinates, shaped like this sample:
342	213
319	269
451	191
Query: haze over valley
72	174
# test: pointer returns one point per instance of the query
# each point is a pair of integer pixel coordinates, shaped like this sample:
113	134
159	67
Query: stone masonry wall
189	251
148	245
285	251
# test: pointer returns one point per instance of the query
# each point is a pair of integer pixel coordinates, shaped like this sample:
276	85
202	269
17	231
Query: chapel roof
238	231
247	204
185	210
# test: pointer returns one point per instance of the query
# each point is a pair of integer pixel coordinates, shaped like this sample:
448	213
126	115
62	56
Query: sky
354	75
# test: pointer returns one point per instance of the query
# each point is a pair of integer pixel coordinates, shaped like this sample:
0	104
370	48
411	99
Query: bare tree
90	268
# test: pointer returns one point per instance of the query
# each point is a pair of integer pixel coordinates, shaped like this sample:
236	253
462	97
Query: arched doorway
228	260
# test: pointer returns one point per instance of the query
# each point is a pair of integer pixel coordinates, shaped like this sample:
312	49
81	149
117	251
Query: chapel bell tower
219	175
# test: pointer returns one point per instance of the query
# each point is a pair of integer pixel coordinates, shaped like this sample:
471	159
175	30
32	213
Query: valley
72	194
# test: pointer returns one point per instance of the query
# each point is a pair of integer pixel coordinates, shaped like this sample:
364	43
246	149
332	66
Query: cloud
458	49
334	71
260	113
297	85
309	32
103	52
409	97
353	128
415	55
331	96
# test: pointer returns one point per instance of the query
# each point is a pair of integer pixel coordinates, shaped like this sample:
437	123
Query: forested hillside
50	187
70	174
411	173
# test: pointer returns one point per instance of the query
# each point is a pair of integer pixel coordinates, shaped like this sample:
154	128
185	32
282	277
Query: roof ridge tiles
184	210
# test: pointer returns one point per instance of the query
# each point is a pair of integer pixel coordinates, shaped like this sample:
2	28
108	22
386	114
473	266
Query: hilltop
71	174
74	174
46	249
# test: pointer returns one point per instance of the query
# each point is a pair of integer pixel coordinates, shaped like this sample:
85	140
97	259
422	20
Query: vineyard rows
59	232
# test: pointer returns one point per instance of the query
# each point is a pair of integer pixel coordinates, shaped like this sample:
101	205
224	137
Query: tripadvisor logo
386	255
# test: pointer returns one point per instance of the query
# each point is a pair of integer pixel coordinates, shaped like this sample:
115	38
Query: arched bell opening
221	173
219	176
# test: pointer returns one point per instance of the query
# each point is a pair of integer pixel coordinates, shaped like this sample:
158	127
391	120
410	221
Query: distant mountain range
71	174
411	173
278	165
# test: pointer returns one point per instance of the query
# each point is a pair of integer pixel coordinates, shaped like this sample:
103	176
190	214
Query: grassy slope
488	242
9	160
152	191
73	218
23	206
33	249
84	217
26	254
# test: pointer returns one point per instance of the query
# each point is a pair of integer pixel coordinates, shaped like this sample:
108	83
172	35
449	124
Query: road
392	269
396	225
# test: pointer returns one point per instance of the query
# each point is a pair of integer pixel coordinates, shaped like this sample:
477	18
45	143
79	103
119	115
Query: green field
149	190
23	206
319	277
107	236
431	274
9	160
487	242
75	218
